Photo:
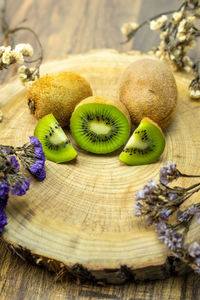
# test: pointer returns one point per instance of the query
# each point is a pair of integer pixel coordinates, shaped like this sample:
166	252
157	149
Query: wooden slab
81	218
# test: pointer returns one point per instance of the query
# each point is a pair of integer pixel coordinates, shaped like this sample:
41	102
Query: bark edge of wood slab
80	221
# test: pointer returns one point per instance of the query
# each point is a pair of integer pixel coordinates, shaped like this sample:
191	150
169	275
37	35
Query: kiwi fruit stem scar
145	145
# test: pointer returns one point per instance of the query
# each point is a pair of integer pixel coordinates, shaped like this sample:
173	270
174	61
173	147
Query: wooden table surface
76	26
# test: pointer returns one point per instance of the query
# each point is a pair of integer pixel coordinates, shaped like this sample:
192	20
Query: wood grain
51	20
81	220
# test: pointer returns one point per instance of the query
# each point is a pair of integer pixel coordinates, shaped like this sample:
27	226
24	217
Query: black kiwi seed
102	130
93	136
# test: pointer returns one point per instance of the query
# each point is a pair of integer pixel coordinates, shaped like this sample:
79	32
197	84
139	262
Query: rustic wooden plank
20	280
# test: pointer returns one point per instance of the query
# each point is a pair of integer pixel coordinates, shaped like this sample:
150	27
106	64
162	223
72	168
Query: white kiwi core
99	127
136	142
58	137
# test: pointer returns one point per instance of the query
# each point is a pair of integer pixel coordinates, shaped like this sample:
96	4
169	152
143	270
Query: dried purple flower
161	228
172	196
165	213
193	210
37	168
168	173
6	150
172	239
32	158
4	190
21	187
183	216
37	147
3	220
14	162
140	195
158	201
194	250
147	190
138	209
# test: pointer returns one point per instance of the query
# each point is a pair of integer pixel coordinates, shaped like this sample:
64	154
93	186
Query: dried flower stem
146	22
26	74
4	25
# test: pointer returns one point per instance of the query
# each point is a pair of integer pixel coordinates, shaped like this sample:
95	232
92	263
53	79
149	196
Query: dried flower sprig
29	74
12	179
178	36
11	53
9	56
157	202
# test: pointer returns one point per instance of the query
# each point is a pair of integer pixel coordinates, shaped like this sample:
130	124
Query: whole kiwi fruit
58	94
148	89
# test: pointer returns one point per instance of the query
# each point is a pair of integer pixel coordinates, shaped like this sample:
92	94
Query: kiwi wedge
100	125
145	145
55	144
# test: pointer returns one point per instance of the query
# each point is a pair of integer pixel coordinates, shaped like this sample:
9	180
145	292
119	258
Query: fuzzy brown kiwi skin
148	88
99	99
58	94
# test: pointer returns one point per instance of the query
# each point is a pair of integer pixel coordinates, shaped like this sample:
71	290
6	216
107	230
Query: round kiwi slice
55	144
99	125
145	145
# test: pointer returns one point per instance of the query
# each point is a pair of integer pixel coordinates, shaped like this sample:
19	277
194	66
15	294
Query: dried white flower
194	88
187	61
127	28
27	75
188	69
191	45
194	93
177	16
158	23
191	19
172	57
164	34
6	56
25	49
176	52
18	56
181	36
181	27
158	53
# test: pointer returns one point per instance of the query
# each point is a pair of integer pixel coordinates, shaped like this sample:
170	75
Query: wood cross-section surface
71	27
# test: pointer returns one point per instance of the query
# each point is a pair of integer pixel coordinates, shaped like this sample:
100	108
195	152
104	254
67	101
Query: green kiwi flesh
99	128
145	145
55	144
